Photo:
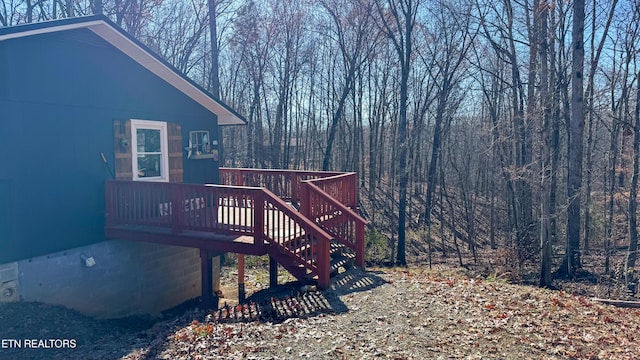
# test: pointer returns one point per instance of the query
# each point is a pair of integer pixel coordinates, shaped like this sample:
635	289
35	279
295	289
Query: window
199	142
149	150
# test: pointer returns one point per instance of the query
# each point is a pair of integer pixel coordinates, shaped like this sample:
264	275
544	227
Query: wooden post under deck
241	293
206	272
273	272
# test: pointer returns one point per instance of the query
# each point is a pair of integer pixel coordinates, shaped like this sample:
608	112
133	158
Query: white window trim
164	148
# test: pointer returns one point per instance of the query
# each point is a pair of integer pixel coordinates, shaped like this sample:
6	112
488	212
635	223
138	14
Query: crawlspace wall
128	278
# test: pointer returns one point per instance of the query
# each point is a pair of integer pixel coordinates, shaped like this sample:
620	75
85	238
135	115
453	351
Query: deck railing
238	210
342	187
221	209
285	184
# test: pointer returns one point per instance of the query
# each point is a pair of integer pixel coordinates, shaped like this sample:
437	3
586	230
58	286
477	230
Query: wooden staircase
326	206
305	246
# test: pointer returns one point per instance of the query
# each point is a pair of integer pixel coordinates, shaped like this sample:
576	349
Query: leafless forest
473	124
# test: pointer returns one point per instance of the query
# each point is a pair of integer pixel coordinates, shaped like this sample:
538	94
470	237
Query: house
108	160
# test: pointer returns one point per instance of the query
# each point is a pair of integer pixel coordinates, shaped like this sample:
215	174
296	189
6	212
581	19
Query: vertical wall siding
66	90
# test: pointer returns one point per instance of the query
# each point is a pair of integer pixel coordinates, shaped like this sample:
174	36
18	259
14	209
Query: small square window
199	142
201	146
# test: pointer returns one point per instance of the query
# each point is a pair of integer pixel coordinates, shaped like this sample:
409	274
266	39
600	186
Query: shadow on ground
274	305
290	300
143	337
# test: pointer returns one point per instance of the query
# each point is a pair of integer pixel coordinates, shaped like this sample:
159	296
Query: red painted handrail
182	206
343	223
342	188
298	237
283	183
239	210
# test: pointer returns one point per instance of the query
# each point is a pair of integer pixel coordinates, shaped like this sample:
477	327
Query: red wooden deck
248	214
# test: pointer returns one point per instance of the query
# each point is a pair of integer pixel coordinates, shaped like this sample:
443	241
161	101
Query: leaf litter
419	313
396	313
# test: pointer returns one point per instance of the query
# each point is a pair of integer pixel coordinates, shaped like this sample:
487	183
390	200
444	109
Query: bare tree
288	27
541	15
632	252
397	20
353	31
575	130
253	49
448	52
589	95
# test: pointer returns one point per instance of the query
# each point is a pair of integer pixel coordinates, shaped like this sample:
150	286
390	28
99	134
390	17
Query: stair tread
335	268
339	261
302	248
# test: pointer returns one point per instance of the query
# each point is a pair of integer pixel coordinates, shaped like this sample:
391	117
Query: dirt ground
395	313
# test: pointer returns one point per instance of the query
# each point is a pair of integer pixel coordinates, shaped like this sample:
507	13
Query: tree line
472	124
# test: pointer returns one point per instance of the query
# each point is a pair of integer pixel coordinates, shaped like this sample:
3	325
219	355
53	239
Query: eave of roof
137	51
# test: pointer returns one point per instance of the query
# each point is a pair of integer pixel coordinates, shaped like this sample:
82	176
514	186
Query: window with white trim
149	150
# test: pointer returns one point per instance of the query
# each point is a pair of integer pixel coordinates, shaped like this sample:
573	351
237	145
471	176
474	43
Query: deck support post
324	262
241	292
273	272
206	272
360	244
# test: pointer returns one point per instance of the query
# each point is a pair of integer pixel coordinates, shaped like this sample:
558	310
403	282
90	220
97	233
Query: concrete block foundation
128	278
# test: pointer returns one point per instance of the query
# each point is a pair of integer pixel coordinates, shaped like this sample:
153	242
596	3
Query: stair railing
337	219
341	187
297	237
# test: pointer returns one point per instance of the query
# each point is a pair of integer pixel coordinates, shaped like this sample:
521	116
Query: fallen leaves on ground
413	313
419	314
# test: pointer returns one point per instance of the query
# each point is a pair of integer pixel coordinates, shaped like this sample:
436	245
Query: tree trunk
97	7
215	91
609	223
576	134
632	252
403	12
337	115
402	161
435	153
546	212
